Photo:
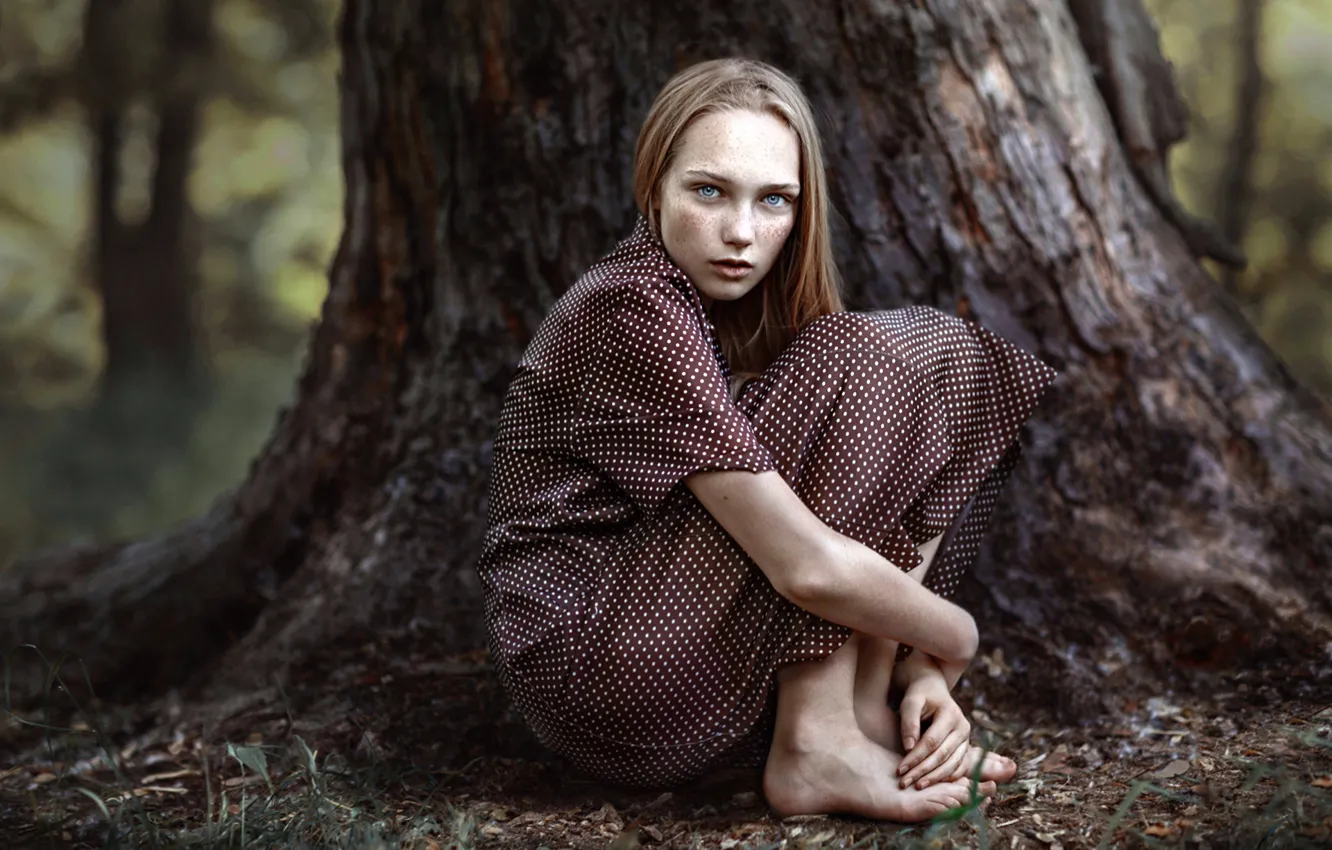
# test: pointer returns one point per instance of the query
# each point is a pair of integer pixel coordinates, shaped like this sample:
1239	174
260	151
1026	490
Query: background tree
166	216
1254	75
1177	483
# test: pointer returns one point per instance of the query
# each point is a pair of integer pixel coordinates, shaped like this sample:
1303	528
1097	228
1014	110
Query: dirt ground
428	751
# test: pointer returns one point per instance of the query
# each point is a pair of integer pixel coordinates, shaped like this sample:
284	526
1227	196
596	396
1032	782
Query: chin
728	293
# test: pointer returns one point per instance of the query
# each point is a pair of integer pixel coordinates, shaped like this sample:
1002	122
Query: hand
938	755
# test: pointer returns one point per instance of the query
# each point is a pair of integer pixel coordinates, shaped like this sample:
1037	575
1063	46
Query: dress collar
644	235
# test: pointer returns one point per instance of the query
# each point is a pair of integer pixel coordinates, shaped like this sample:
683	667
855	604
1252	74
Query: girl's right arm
827	573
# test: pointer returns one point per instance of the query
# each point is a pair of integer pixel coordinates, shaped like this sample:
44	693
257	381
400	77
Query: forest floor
390	750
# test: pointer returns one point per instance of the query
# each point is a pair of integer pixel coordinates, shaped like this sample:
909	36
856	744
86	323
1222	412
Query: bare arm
922	663
828	573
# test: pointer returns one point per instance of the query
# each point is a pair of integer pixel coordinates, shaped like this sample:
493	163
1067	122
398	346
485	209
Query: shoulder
637	271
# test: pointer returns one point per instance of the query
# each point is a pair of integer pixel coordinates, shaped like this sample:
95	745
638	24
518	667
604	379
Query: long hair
803	284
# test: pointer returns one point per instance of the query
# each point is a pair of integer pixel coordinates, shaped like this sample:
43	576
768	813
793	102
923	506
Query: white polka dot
631	631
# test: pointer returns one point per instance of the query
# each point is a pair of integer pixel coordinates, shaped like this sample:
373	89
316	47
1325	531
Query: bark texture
1176	480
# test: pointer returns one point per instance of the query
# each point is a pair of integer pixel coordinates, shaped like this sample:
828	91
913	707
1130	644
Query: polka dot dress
634	635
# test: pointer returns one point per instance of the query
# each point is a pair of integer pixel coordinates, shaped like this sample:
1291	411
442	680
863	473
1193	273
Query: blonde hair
803	283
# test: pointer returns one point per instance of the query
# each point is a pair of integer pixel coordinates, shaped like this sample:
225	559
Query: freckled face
728	200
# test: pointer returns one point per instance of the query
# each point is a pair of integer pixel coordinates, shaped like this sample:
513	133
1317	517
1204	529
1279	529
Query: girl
716	495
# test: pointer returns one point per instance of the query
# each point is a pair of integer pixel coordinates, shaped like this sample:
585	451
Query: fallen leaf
526	818
994	664
606	814
651	832
1323	782
745	799
491	829
1177	767
44	778
985	721
626	840
237	781
162	777
1159	830
1058	763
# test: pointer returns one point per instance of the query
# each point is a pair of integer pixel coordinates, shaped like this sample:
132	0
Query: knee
848	329
895	333
825	342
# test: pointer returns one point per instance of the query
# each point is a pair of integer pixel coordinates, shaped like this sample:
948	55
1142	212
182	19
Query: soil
430	748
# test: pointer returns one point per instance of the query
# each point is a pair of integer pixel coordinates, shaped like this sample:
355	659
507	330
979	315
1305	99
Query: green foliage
266	186
1287	289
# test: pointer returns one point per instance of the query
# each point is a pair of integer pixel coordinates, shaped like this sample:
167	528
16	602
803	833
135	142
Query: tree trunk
1175	470
145	272
1235	189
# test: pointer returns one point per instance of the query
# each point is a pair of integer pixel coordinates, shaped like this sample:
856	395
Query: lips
734	270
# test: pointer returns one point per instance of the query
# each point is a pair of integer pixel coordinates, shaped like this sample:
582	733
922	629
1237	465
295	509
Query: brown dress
634	635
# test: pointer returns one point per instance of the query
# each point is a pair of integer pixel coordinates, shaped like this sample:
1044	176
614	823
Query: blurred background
170	200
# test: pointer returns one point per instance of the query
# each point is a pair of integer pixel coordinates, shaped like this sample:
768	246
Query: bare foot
883	728
995	768
848	773
881	725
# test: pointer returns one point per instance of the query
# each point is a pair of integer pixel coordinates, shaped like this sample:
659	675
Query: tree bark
1176	479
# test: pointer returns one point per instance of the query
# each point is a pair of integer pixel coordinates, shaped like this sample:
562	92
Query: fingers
910	720
941	757
955	747
948	721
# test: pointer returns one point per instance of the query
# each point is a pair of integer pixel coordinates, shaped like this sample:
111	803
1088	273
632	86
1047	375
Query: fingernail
909	743
924	783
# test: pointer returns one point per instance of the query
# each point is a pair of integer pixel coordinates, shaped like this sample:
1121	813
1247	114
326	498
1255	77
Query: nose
739	227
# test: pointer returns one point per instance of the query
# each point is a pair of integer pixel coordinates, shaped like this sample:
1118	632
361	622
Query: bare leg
874	673
874	676
820	761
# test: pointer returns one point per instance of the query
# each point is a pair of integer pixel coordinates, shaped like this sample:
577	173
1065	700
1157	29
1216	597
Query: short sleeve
654	406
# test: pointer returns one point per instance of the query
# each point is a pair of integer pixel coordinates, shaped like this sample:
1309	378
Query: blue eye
781	199
705	190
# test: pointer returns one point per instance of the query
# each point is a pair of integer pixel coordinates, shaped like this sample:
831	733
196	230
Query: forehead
750	147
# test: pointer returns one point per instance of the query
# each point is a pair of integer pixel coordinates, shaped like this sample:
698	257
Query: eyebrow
717	178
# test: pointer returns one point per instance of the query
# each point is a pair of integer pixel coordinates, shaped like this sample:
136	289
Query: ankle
810	733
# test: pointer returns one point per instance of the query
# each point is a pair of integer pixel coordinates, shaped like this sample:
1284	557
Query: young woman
685	569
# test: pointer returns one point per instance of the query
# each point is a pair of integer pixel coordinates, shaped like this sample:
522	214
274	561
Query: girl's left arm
920	663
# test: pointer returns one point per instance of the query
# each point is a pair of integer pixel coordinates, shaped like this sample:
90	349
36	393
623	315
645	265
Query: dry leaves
1178	767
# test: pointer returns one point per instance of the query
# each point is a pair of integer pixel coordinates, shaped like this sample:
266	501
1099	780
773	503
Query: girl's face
728	200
